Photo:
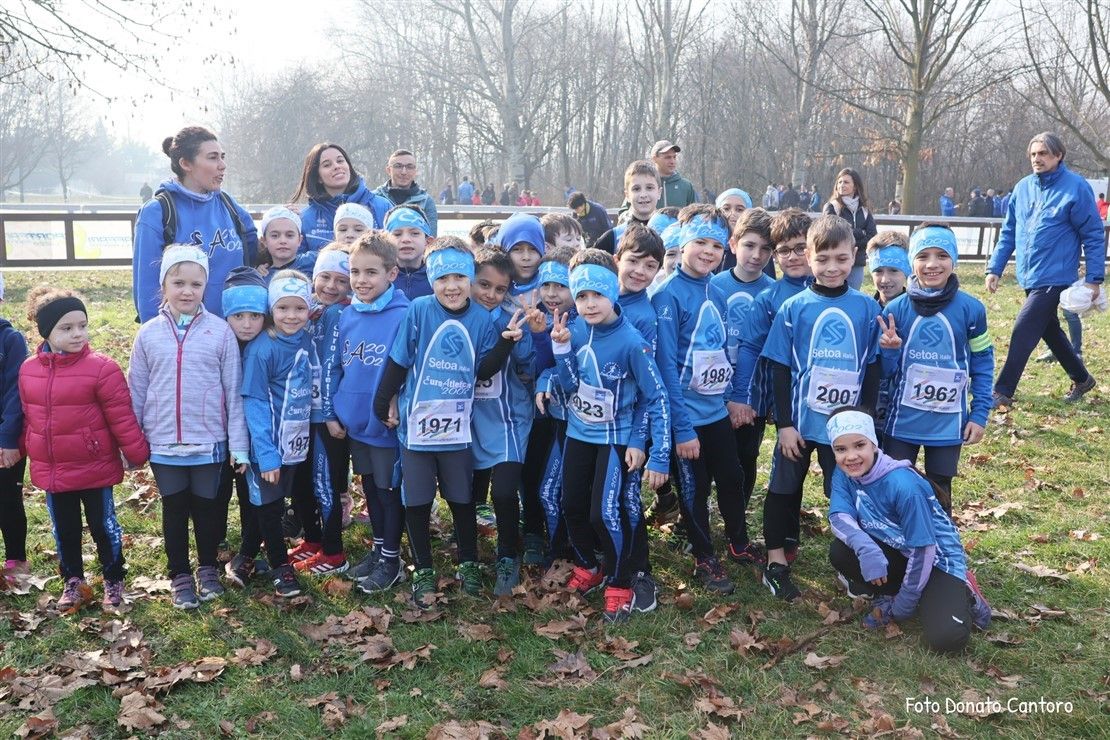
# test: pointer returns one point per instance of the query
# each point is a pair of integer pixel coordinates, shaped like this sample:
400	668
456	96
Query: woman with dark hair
330	180
190	208
850	203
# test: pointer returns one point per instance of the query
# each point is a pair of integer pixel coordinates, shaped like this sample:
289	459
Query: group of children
555	380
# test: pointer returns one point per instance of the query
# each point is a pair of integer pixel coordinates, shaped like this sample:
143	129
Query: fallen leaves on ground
1041	571
476	632
138	711
822	662
336	711
557	628
262	651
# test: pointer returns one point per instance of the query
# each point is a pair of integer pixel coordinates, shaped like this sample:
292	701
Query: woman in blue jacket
330	180
191	209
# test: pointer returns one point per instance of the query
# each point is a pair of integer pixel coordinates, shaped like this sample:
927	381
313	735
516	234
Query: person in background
402	188
466	191
947	203
591	215
849	201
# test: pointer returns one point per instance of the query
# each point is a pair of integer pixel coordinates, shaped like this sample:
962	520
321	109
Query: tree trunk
911	153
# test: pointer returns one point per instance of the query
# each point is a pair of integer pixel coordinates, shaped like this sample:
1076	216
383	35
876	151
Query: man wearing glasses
401	187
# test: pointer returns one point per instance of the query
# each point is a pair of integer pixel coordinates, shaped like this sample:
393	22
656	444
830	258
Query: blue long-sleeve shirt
752	384
1049	219
203	221
690	350
942	357
324	331
739	297
503	407
638	311
615	393
277	398
13	351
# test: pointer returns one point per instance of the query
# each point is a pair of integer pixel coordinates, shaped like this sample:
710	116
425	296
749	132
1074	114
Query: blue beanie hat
521	228
244	291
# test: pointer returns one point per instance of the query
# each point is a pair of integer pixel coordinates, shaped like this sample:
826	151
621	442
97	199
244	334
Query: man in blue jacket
1050	217
401	187
948	203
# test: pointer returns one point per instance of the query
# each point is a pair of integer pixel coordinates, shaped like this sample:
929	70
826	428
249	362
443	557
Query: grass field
1032	503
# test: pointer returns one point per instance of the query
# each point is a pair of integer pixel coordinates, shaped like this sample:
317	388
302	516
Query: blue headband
934	236
407	218
244	298
737	192
599	279
554	272
672	236
332	260
660	221
701	227
289	287
449	261
889	256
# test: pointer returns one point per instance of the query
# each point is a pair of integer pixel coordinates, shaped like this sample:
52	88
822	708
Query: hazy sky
266	36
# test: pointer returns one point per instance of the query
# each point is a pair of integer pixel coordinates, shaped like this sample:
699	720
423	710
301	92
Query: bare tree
1068	42
68	132
22	131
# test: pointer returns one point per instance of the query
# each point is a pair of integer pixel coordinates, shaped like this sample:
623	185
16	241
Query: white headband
175	254
289	287
332	260
851	422
278	212
357	211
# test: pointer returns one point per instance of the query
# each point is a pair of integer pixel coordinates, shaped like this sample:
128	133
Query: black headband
50	314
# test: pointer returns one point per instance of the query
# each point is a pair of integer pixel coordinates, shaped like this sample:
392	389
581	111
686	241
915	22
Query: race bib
712	372
488	388
936	389
830	389
444	422
593	405
294	441
317	382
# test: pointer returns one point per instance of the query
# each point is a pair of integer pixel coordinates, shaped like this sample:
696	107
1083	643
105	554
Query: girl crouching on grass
894	542
79	433
185	377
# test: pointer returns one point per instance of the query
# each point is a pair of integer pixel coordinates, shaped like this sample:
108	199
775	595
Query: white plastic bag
1077	299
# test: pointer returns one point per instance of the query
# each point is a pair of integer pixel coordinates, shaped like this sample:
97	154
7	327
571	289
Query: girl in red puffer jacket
79	433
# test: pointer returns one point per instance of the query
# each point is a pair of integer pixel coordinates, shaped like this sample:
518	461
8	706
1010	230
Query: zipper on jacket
180	352
50	423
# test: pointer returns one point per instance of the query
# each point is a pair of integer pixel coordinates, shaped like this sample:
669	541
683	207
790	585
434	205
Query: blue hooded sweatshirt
13	352
1049	218
277	398
366	335
414	283
318	217
203	221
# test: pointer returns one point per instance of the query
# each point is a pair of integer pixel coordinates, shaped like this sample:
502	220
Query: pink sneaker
15	568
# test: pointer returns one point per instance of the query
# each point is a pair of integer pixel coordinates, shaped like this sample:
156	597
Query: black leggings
418	522
177	509
231	482
946	609
505	477
748	439
545	431
542	478
13	518
318	487
716	463
597	489
100	514
263	525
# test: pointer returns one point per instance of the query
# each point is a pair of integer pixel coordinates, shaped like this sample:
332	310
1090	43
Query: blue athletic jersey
614	390
545	370
324	332
753	376
901	510
739	297
827	343
503	405
366	334
637	309
442	350
277	398
690	350
941	358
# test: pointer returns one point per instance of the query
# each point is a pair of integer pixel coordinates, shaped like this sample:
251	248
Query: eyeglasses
786	252
402	167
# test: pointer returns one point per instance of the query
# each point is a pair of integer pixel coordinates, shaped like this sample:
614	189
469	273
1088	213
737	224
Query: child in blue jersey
750	401
543	461
823	353
639	257
690	350
245	305
277	400
895	543
410	228
617	402
642	190
890	269
367	330
279	239
502	419
672	248
939	351
731	203
13	463
448	344
751	247
320	483
521	236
